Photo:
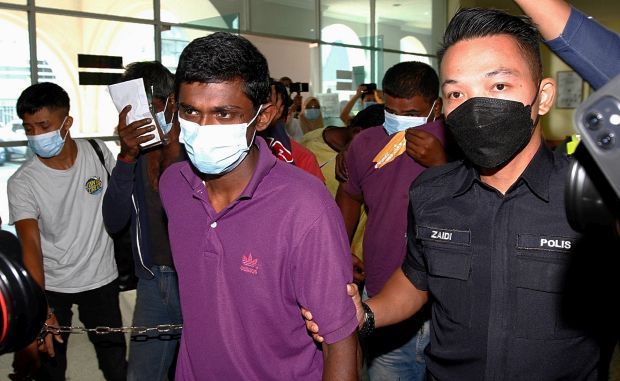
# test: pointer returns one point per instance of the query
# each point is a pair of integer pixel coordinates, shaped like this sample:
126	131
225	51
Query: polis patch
94	185
542	242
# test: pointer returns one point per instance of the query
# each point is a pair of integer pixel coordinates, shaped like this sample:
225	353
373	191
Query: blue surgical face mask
216	149
48	144
394	123
161	120
312	113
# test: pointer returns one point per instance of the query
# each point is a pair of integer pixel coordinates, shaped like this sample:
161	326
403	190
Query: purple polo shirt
386	196
245	271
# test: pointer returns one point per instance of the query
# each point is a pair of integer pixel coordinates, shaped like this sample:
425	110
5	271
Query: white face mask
48	144
216	149
394	123
161	120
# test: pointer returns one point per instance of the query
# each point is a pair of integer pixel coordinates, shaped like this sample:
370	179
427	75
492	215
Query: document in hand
132	93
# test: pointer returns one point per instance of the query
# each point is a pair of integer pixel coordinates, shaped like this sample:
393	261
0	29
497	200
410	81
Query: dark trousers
96	308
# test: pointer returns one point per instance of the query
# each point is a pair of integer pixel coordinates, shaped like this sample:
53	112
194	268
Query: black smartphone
299	87
370	87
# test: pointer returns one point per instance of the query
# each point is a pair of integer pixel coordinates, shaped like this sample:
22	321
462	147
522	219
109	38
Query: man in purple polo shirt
252	237
382	163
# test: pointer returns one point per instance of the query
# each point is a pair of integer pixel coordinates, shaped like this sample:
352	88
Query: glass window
295	19
91	106
343	70
396	20
173	42
14	66
14	76
134	8
355	16
214	14
385	60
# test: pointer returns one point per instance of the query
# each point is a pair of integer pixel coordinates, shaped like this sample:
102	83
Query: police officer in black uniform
509	281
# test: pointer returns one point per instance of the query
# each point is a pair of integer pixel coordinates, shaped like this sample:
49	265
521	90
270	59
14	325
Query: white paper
132	93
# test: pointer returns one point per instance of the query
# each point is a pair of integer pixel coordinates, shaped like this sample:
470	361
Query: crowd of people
427	239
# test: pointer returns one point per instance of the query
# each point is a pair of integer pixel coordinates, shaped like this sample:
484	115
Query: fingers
138	129
122	116
424	147
48	343
352	290
311	325
418	136
316	337
306	314
134	134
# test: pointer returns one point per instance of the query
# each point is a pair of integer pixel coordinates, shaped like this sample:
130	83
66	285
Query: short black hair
155	74
371	116
470	23
42	95
282	93
222	57
411	78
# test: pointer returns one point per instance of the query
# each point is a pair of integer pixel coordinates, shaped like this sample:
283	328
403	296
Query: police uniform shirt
496	268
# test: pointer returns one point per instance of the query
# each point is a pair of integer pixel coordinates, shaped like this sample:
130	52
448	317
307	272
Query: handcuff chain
103	330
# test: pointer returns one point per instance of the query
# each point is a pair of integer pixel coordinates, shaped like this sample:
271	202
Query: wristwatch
369	322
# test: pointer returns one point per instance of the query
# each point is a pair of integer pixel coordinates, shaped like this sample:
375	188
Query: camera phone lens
593	120
606	141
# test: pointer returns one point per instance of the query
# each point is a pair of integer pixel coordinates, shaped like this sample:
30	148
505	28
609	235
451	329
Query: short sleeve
414	265
352	158
22	203
322	268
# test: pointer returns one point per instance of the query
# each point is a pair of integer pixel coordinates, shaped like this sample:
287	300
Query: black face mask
491	131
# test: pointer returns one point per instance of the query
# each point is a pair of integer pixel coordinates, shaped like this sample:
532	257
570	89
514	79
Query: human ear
267	115
546	95
68	122
437	109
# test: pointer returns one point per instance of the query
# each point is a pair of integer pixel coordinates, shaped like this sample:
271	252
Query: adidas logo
249	264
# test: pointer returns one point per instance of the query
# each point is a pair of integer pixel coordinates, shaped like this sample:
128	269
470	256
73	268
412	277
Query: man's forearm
398	300
341	360
550	16
350	209
32	257
345	114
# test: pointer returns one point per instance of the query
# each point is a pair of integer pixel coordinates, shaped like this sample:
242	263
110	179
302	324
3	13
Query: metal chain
160	329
